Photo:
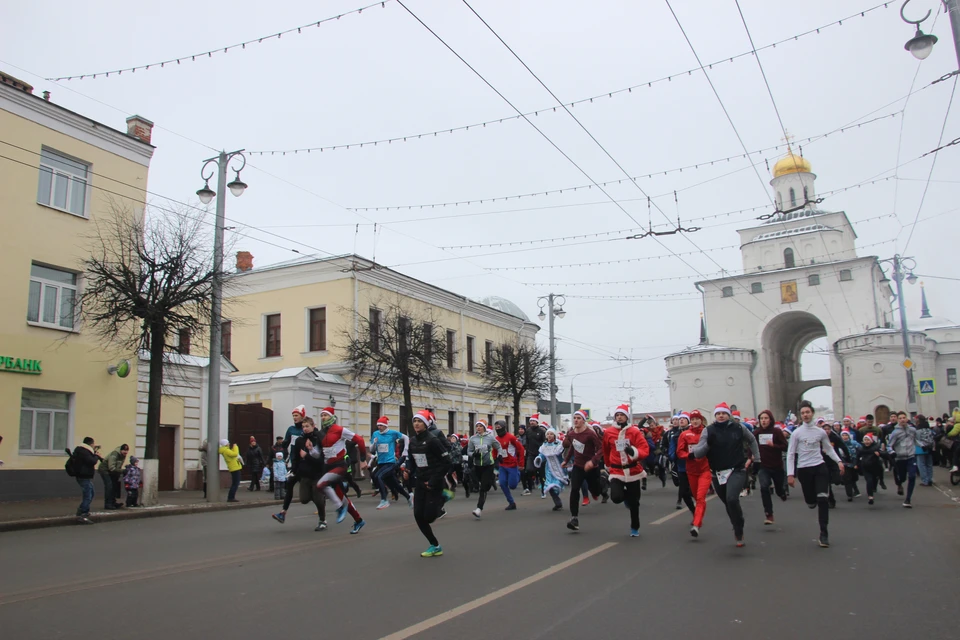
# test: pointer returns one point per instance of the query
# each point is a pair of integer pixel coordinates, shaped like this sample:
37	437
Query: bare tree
149	278
397	351
514	371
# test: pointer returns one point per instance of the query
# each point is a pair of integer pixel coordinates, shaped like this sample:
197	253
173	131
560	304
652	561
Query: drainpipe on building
463	370
753	387
356	333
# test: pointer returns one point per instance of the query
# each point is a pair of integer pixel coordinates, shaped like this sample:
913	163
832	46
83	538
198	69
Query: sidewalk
57	512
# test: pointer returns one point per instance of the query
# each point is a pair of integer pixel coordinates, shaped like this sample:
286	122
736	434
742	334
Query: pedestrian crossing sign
927	387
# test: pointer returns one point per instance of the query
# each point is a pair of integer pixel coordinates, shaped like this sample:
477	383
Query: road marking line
678	513
496	595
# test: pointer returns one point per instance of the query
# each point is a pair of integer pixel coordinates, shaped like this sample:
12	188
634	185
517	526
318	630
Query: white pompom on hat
721	408
224	443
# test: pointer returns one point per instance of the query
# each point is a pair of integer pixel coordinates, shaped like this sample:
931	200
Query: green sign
20	365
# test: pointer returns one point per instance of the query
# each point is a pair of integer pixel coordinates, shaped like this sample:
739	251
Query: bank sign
20	365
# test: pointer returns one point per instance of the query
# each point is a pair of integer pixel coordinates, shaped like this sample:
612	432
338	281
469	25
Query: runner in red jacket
624	447
333	440
512	456
698	469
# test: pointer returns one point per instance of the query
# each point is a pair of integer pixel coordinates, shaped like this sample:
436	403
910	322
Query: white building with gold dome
802	280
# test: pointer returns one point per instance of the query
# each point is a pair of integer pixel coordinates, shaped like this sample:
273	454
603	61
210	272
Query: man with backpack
82	465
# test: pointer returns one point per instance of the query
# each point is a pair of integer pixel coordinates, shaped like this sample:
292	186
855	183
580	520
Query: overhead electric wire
587	100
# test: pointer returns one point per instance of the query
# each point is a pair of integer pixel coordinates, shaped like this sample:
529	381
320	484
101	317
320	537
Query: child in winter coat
265	476
870	463
279	476
132	480
550	459
850	476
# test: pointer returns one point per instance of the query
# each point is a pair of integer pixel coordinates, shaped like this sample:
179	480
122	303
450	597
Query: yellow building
288	324
56	169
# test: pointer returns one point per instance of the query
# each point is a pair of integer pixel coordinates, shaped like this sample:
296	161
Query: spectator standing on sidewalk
203	465
277	448
132	481
256	462
925	445
111	470
231	455
84	460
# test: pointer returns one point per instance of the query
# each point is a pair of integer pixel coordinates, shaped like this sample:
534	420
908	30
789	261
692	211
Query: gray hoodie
903	442
482	445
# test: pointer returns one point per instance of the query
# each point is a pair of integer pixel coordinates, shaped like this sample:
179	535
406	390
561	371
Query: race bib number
511	451
579	446
766	439
421	460
723	476
808	446
383	447
622	444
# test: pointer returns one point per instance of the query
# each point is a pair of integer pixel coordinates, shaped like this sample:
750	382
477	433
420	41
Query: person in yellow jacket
231	455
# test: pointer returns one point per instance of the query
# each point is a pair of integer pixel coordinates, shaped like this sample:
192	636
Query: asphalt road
890	573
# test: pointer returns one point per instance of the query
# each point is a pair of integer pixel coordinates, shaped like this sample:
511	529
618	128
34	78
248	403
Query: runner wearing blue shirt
384	442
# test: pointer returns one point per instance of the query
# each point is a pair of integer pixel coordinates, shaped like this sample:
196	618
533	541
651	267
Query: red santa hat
300	409
582	414
535	418
721	408
328	411
735	412
696	414
385	421
481	423
424	416
683	414
845	418
624	409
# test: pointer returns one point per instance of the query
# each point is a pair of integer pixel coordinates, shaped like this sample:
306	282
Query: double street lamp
206	195
903	270
553	305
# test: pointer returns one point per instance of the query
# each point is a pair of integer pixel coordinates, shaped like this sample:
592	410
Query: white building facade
802	280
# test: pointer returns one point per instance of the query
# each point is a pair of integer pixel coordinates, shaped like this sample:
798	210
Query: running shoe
907	505
526	492
899	489
558	507
511	507
823	541
604	500
768	519
883	485
477	512
574	524
586	501
543	496
342	512
634	533
432	552
442	513
954	469
357	526
869	499
383	504
322	526
740	542
280	517
679	506
410	501
84	520
695	531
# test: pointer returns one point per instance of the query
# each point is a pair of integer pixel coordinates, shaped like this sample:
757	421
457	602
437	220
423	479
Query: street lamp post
554	305
899	264
206	194
921	44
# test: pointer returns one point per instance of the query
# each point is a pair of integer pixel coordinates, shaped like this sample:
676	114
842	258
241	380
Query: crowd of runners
724	455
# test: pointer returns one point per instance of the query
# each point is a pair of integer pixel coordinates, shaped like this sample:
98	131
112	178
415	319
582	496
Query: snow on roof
290	372
699	348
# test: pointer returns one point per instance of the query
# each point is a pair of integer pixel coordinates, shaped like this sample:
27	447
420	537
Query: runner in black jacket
306	458
430	459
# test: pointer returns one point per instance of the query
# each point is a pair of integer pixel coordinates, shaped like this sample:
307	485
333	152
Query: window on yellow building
273	335
374	321
44	421
183	342
451	348
63	182
226	338
53	297
487	355
318	329
470	341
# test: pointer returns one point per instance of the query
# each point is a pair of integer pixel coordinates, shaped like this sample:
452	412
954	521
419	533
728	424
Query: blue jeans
234	485
509	479
925	467
86	491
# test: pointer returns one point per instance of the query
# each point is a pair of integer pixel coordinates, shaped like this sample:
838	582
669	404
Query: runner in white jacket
808	444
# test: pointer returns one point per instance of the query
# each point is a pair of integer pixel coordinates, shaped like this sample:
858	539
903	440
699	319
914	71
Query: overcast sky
381	74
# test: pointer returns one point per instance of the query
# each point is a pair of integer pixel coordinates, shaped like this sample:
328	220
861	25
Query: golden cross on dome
787	137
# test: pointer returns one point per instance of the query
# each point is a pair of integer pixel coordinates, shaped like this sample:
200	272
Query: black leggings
815	483
577	478
427	504
308	493
484	476
683	493
628	492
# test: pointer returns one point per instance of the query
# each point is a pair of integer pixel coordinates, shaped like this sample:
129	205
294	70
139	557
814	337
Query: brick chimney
140	128
244	261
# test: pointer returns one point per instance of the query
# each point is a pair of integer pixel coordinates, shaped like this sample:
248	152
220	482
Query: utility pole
554	305
236	187
904	334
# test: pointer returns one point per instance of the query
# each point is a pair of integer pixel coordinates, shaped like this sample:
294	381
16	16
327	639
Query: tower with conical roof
924	309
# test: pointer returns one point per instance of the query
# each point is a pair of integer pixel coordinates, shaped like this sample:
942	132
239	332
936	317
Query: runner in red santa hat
583	452
698	471
624	447
333	439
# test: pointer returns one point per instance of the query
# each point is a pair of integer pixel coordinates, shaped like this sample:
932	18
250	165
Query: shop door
247	420
168	457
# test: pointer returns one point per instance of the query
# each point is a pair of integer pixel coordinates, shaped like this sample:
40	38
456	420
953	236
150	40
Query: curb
102	518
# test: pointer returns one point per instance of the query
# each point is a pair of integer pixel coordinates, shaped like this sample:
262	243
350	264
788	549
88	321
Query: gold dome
791	163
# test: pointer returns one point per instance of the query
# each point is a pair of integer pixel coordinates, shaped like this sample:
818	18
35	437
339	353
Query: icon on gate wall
788	292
